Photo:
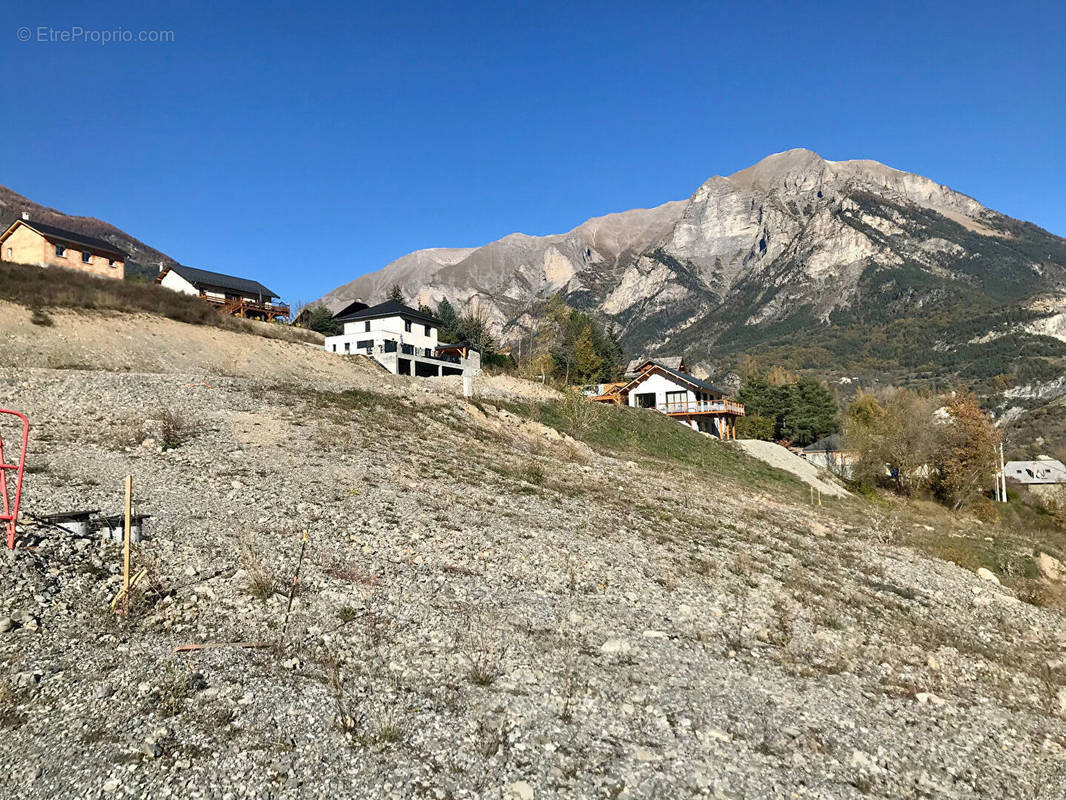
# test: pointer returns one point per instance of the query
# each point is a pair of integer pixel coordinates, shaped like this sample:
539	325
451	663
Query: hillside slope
487	607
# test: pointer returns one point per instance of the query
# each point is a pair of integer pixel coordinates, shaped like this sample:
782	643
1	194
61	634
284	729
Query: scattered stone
987	575
615	647
928	698
519	790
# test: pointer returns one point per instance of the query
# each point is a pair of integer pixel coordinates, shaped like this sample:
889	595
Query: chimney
26	215
161	267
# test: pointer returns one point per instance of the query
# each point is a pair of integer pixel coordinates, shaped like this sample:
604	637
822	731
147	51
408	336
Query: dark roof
205	277
351	308
683	377
673	362
79	240
455	345
830	444
390	308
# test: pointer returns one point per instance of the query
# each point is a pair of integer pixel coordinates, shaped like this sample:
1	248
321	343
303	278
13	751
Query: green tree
755	426
587	359
396	294
449	321
810	412
320	319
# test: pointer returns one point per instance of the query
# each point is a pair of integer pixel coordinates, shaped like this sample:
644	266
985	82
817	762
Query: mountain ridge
734	234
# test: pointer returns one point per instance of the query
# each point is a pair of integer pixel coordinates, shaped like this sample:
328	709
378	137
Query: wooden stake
126	539
189	648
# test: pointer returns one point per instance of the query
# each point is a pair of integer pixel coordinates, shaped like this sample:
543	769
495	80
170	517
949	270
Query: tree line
783	407
921	444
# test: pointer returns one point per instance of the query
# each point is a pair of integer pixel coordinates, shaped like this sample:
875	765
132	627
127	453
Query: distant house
829	453
404	341
1040	471
240	297
673	391
29	242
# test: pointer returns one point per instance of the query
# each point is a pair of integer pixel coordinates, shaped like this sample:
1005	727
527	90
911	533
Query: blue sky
307	143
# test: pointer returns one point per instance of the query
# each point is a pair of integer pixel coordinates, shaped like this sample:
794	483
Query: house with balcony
404	341
678	394
240	297
27	241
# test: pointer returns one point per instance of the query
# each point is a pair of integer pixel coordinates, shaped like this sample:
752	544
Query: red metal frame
11	510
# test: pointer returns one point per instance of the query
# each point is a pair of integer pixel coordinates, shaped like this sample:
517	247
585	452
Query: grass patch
642	434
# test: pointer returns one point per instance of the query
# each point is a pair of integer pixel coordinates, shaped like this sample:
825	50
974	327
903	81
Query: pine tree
321	320
449	321
587	361
396	294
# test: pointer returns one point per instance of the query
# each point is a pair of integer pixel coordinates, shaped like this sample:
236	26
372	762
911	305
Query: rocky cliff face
793	243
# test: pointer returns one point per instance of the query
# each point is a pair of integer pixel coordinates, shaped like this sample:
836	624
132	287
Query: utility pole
1002	474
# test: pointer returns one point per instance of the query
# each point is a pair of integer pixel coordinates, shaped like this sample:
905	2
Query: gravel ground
486	610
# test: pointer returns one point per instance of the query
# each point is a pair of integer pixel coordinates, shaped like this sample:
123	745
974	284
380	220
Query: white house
698	404
829	454
404	341
241	297
1042	470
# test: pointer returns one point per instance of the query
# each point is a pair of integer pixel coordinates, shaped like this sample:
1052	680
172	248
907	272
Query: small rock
1051	568
111	784
613	646
928	698
519	790
987	575
6	624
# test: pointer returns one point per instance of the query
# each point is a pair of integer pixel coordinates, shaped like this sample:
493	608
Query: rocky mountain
848	267
143	260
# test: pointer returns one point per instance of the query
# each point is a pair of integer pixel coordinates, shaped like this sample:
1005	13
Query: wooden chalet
240	297
671	390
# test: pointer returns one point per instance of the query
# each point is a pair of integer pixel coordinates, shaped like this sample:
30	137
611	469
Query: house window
429	352
347	347
334	348
111	262
429	331
407	325
676	401
61	251
9	254
366	325
86	258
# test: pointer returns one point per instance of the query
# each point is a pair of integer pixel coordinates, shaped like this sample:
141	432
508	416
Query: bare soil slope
487	608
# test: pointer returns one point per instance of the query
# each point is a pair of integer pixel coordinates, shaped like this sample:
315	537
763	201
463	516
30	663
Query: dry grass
37	288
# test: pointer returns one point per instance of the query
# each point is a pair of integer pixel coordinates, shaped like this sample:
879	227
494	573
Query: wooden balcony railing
242	307
706	407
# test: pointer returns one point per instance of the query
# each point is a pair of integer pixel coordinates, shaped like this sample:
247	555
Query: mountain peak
781	169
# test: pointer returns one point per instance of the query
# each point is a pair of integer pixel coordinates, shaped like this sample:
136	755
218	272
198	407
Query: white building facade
404	341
